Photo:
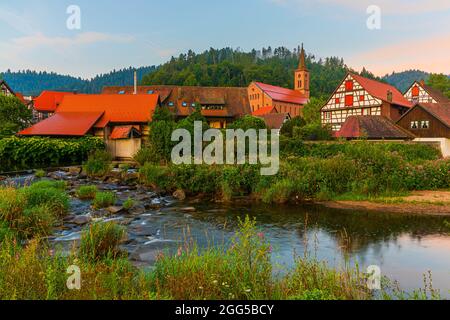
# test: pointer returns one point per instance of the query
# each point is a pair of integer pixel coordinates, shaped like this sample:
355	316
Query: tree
311	112
288	128
160	136
248	122
14	116
440	82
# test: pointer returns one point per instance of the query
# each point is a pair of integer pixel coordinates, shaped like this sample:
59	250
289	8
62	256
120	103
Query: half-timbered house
419	92
359	96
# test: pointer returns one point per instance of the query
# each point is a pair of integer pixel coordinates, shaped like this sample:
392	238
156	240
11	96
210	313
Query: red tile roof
380	90
275	120
440	111
122	132
64	124
115	108
49	101
372	127
283	94
263	111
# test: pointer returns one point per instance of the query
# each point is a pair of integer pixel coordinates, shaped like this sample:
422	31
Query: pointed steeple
302	62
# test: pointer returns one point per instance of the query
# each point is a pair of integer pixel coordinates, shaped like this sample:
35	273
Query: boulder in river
115	209
82	220
179	195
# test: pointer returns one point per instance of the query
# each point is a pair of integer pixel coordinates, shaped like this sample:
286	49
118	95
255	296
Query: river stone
115	209
74	171
179	195
82	220
188	209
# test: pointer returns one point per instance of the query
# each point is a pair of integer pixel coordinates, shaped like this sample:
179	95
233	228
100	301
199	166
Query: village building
6	90
121	120
265	97
372	128
220	106
359	96
46	104
272	118
419	92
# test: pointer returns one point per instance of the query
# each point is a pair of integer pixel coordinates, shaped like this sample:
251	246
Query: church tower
302	79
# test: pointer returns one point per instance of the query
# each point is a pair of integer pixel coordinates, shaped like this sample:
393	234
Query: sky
113	34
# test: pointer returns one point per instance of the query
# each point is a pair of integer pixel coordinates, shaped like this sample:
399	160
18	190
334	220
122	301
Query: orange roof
115	108
380	90
283	94
122	132
49	101
64	124
263	111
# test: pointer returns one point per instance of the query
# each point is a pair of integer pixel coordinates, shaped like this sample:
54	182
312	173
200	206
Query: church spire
302	62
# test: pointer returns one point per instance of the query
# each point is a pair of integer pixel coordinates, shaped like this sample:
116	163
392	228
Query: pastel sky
116	34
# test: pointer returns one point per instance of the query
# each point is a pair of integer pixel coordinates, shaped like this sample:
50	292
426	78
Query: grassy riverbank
326	171
31	269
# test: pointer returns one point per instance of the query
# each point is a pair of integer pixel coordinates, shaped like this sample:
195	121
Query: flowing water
405	247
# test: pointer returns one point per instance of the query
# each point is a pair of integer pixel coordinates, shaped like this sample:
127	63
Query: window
122	92
150	92
362	98
415	91
337	101
193	105
425	125
184	104
366	112
349	85
414	124
171	104
349	100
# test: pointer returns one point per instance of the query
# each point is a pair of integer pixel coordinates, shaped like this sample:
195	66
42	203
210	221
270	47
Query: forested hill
33	83
403	80
229	67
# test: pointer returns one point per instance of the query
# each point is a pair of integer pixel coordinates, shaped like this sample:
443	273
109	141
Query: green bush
87	192
55	199
28	153
148	154
156	176
128	204
104	200
101	241
39	174
98	164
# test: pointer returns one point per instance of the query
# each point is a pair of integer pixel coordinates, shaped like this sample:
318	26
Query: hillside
229	67
33	83
403	80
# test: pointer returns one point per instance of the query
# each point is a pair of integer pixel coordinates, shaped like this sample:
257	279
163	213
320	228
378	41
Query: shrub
56	200
156	176
27	153
45	184
12	204
148	154
101	241
98	164
104	200
86	192
39	173
37	222
128	204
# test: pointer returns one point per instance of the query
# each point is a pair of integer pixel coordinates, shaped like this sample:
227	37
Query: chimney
135	82
422	82
389	96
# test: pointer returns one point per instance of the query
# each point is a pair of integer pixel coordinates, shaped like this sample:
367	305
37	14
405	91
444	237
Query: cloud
40	40
392	7
15	21
428	54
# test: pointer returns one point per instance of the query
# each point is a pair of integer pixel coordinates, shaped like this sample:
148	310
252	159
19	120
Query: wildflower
248	290
215	282
261	235
180	252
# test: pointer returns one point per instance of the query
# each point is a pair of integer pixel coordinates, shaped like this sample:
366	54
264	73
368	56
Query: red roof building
292	101
121	120
419	92
359	96
49	101
372	128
